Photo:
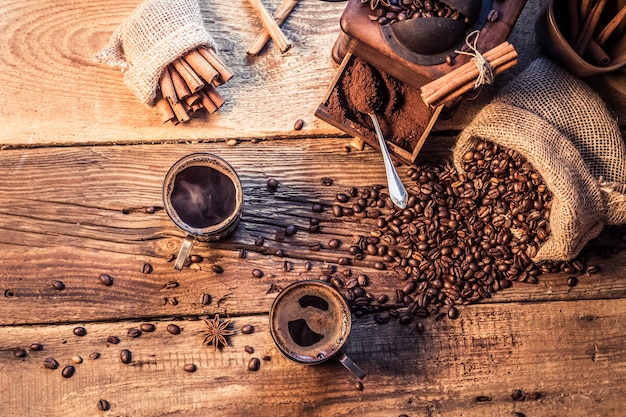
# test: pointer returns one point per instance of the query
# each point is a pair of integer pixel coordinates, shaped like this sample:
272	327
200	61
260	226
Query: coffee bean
146	268
291	230
337	210
19	353
205	299
58	285
149	210
133	332
298	125
342	197
243	253
114	340
68	371
272	184
334	243
126	356
259	240
247	329
254	364
77	359
80	331
147	327
50	363
358	385
327	181
196	259
36	347
248	349
173	328
103	405
94	355
106	279
190	367
572	281
317	208
257	273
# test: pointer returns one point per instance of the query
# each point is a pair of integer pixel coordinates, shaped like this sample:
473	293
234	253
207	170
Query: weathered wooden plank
62	217
566	358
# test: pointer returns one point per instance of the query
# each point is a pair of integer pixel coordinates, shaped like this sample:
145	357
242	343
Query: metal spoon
397	192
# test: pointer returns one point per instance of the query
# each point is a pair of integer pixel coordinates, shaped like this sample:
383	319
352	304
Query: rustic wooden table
80	161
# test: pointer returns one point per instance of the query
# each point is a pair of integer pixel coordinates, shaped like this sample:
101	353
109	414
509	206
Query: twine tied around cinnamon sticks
485	73
482	69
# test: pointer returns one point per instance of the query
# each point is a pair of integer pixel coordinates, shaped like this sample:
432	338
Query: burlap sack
566	132
155	34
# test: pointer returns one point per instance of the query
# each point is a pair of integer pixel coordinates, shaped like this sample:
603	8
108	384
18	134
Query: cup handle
184	252
350	365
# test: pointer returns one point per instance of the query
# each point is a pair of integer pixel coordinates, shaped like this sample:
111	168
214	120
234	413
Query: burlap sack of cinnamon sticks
154	34
566	132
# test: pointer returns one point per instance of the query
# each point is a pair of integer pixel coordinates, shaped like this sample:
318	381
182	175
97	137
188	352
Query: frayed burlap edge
575	218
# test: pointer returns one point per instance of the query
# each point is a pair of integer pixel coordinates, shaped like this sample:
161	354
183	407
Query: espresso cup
202	195
310	322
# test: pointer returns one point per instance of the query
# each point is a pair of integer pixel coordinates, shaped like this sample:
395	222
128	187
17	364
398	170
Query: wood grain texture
566	358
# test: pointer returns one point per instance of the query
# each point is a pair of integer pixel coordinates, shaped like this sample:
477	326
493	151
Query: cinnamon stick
589	27
280	15
180	112
189	75
193	99
212	93
598	54
572	14
440	89
610	27
438	101
271	26
165	111
182	91
167	87
211	57
201	66
207	102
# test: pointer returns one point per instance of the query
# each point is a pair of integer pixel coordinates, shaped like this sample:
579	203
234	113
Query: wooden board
80	162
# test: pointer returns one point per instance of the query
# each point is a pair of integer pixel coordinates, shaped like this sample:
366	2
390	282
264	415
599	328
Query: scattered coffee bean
298	125
36	347
106	279
317	208
254	364
243	253
170	285
58	285
77	359
259	240
291	230
327	181
572	281
196	259
173	328
19	353
358	385
334	243
149	210
248	349
126	356
342	197
453	312
272	184
247	329
68	371
114	340
205	299
103	405
146	268
232	142
50	363
257	273
147	327
80	331
94	355
133	332
190	367
217	269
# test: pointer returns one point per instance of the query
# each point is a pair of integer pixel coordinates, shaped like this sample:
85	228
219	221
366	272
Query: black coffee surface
302	334
203	196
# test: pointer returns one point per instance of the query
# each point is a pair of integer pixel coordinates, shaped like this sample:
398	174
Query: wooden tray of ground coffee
405	119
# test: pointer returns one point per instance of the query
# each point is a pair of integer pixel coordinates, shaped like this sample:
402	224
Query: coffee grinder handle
185	251
350	365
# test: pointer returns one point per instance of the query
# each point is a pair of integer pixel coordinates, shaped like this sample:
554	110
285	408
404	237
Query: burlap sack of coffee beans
153	35
566	132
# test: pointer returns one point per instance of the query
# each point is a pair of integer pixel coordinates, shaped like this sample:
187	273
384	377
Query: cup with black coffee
202	195
310	322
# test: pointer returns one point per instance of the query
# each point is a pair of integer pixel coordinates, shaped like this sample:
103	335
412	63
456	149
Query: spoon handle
397	192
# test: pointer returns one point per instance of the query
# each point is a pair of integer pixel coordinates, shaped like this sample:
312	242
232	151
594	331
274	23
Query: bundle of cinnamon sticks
588	34
461	80
188	85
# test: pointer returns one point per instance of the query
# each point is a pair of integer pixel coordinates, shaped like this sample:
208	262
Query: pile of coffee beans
389	11
461	238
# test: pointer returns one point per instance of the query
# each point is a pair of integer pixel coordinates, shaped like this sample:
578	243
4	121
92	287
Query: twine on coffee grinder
485	72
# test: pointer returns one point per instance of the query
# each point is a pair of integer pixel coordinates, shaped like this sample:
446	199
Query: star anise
218	332
375	3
